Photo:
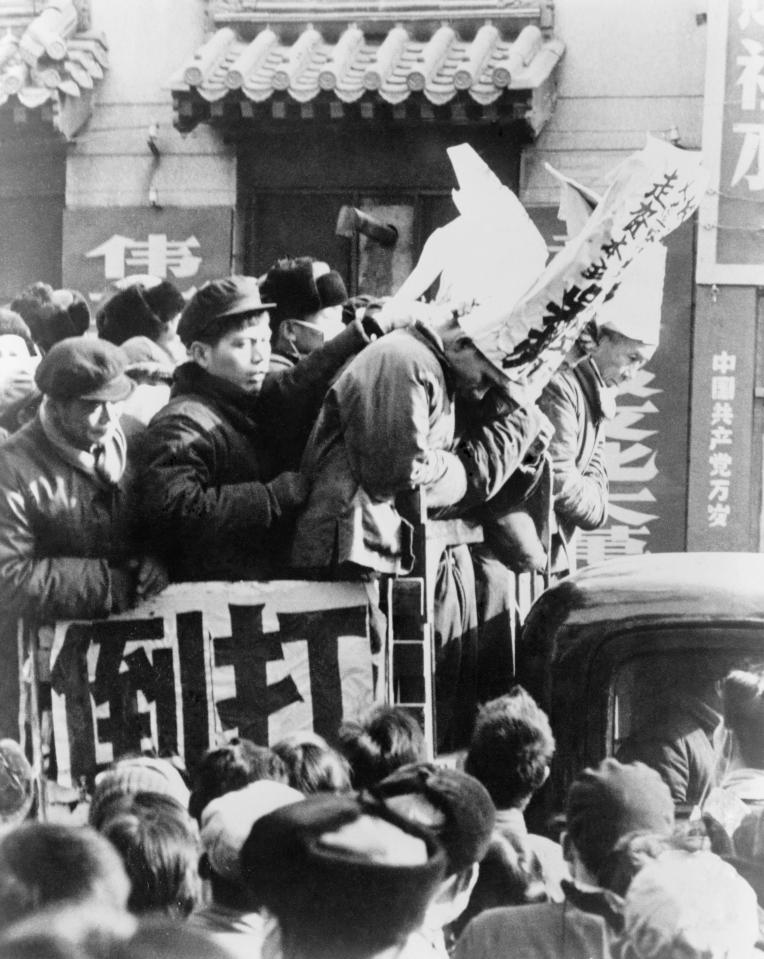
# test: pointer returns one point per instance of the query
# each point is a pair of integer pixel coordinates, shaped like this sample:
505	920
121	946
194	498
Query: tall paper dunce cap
577	202
634	310
492	250
651	193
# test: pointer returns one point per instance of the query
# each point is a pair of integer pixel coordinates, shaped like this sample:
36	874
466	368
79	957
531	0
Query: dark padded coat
207	457
59	532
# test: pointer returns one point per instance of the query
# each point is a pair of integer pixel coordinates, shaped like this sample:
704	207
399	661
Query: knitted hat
12	324
605	803
689	904
84	368
448	802
342	868
230	296
137	774
226	822
138	310
16	784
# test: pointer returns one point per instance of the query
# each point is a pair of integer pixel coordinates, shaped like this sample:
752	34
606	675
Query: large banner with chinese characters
185	246
731	238
205	662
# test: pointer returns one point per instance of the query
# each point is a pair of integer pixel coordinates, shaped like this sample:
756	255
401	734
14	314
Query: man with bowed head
69	546
215	493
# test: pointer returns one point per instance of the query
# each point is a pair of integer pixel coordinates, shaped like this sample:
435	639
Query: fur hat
297	292
84	368
345	869
448	802
138	310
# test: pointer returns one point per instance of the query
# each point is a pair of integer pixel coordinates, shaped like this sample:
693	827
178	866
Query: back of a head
606	803
44	864
130	775
743	710
67	931
688	904
511	748
381	741
312	765
343	875
159	845
52	315
230	767
160	938
453	805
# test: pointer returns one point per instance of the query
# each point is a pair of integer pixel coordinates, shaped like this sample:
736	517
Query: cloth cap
138	774
612	800
16	783
345	867
226	822
230	296
84	368
464	812
12	324
690	904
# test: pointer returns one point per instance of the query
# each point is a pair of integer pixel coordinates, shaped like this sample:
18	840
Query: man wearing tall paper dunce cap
580	398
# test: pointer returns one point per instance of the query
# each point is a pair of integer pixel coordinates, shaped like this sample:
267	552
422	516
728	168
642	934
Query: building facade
224	133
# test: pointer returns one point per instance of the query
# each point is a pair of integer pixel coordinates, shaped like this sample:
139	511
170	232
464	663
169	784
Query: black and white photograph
381	479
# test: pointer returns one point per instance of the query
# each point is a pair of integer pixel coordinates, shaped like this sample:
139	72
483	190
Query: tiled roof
49	62
396	66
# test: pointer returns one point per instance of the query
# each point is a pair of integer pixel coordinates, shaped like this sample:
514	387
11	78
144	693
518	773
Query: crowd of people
274	428
366	851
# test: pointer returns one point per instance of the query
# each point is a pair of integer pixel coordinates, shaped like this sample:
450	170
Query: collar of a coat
234	402
592	384
426	334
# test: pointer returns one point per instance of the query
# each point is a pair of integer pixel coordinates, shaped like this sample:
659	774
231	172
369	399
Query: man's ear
287	330
200	353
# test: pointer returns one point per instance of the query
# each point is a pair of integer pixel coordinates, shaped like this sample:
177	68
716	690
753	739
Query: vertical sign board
185	246
646	442
204	662
720	513
731	238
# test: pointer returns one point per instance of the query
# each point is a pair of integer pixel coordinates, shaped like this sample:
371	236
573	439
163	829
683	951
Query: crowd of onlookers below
361	850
